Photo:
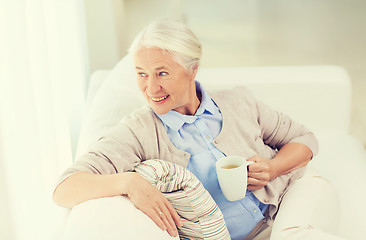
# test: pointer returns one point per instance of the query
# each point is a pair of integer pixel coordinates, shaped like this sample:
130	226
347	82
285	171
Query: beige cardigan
249	128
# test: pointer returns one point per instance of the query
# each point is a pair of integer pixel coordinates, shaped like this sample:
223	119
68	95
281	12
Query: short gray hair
173	36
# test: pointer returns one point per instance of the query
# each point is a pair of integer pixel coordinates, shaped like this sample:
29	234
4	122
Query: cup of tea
232	174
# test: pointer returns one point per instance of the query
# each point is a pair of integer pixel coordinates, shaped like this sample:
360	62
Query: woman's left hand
259	173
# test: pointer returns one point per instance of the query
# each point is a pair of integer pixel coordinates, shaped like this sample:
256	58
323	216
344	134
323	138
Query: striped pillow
201	217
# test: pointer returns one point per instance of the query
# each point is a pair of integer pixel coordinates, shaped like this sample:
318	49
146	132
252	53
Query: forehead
154	57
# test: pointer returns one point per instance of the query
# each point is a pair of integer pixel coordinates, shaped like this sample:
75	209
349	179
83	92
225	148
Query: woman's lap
309	210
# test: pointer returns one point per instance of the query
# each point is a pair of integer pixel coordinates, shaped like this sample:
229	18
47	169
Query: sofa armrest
342	160
109	219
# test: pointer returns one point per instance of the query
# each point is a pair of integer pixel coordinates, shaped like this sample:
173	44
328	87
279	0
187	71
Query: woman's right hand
153	203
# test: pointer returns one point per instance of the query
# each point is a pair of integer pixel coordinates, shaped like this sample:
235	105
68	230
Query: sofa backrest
318	96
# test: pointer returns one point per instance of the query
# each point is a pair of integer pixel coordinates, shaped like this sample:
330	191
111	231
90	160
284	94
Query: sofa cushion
109	101
201	217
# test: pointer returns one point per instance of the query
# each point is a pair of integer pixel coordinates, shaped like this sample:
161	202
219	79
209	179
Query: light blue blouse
195	134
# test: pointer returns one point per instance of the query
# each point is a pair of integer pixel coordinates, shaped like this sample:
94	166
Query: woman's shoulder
136	124
140	117
240	93
142	122
237	103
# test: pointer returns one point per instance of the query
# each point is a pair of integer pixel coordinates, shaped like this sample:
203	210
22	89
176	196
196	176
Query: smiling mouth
159	99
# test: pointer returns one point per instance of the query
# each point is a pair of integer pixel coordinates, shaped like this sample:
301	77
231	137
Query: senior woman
191	127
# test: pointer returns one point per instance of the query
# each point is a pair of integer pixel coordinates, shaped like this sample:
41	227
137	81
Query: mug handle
249	162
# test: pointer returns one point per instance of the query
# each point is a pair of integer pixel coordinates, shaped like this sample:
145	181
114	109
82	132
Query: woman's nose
153	85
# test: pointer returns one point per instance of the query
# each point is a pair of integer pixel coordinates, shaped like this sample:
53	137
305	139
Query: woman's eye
163	74
142	74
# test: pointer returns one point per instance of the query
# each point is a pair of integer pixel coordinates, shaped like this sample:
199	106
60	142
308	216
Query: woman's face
166	85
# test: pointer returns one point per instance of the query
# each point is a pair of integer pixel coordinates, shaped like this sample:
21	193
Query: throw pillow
201	217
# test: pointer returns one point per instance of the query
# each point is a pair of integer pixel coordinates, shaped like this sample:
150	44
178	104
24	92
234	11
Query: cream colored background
246	33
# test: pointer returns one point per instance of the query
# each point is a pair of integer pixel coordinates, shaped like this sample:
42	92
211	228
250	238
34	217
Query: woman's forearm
290	157
83	186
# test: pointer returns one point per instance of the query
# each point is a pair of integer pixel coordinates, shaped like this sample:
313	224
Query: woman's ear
194	71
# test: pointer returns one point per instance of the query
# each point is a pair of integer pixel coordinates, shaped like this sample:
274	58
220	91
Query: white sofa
318	96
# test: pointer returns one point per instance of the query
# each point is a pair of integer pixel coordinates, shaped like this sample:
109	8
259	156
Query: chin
159	110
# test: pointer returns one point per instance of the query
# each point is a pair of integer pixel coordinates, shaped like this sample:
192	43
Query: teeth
158	99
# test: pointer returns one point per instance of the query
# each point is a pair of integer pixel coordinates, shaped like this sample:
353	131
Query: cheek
141	85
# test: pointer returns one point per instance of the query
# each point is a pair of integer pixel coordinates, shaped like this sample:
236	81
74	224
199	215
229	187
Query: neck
194	101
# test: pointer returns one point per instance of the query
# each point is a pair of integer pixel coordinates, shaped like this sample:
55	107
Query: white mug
233	176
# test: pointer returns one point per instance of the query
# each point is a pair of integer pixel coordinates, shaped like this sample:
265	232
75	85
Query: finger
254	168
256	182
255	174
171	229
258	167
262	176
157	216
164	211
252	181
157	219
148	199
258	185
174	214
168	219
171	217
252	187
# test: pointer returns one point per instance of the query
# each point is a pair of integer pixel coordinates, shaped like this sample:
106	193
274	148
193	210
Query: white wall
112	25
6	220
104	32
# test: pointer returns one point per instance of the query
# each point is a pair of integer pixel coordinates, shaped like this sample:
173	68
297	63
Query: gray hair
174	37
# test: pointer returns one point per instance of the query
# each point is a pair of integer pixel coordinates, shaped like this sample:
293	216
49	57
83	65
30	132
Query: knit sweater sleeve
278	129
119	150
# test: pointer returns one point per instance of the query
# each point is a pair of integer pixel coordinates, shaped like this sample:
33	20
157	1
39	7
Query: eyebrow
161	68
156	69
